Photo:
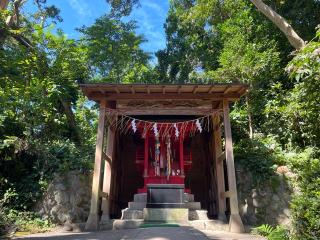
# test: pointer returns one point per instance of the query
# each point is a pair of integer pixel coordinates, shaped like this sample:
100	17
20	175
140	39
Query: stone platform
137	214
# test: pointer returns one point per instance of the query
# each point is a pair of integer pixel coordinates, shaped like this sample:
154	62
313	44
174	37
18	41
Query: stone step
198	215
165	214
127	224
188	197
131	214
213	225
140	197
136	205
193	205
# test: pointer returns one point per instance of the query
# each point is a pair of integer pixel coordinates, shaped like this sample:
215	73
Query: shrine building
164	154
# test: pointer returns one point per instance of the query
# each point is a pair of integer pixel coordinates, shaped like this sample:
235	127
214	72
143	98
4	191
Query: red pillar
181	155
146	154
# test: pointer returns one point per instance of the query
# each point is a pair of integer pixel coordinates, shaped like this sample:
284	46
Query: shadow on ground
155	233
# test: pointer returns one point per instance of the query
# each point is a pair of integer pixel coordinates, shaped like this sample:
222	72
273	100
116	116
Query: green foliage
305	204
259	156
272	233
114	51
28	222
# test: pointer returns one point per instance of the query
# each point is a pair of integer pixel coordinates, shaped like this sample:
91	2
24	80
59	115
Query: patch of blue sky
150	17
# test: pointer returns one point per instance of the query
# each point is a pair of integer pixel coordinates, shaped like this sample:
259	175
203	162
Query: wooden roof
106	91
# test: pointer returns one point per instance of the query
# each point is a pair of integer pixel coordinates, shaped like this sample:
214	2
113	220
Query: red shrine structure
180	165
164	134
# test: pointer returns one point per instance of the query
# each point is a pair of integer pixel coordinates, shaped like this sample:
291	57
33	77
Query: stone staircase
133	216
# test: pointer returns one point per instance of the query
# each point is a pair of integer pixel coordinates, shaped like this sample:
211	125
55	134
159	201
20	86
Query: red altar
180	160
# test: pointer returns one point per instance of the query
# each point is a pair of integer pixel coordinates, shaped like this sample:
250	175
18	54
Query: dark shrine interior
128	167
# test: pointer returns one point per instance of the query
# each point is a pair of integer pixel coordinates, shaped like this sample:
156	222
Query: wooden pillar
235	222
146	155
107	175
93	219
218	163
181	155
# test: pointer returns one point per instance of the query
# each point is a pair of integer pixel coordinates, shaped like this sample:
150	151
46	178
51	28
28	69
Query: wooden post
93	219
107	175
146	155
235	222
218	163
181	155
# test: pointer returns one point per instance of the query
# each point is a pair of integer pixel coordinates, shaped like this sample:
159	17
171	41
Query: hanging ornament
155	130
176	130
199	125
133	125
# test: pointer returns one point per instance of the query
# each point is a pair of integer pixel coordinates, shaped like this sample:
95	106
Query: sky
150	17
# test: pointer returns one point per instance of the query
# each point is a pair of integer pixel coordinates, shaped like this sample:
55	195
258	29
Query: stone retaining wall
67	198
264	203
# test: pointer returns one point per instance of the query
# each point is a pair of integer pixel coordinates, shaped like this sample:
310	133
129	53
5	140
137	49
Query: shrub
305	205
272	233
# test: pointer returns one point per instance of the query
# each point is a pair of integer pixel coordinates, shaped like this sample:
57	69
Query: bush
259	156
28	222
272	233
305	205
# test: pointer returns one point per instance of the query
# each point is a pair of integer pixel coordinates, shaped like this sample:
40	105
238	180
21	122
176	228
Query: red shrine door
163	164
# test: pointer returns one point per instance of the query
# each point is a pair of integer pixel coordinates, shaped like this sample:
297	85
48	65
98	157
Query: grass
149	225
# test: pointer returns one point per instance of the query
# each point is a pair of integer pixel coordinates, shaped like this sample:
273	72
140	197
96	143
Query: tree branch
295	40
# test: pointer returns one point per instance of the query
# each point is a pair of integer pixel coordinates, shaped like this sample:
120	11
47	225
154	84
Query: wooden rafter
195	89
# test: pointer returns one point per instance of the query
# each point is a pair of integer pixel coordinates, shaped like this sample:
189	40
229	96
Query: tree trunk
71	121
249	118
4	4
295	40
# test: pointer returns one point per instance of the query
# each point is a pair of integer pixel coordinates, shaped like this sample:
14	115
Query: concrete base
127	224
235	224
213	225
105	218
92	222
165	214
106	225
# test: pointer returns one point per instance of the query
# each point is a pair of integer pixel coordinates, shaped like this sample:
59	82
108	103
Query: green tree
114	51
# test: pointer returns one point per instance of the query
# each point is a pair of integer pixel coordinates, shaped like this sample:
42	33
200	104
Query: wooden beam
93	219
148	89
117	90
221	157
228	89
179	89
105	203
145	96
211	89
163	89
242	91
235	222
103	194
132	90
219	170
161	111
195	89
228	194
107	158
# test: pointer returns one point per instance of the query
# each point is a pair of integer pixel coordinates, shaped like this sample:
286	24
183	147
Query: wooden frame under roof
105	91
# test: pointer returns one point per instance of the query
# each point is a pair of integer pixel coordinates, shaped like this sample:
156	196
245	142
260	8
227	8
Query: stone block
193	205
188	197
136	205
198	215
140	197
126	224
165	214
131	214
